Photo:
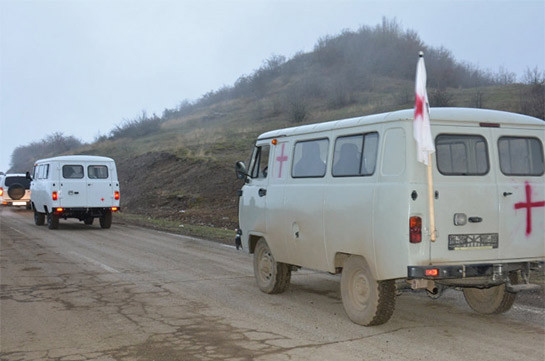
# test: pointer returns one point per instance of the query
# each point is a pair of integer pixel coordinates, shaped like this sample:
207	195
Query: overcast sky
82	66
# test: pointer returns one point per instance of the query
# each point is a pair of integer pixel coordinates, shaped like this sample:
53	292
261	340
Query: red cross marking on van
281	159
529	205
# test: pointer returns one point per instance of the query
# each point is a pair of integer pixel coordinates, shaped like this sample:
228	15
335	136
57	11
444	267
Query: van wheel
271	276
39	218
88	221
52	221
489	301
106	220
366	301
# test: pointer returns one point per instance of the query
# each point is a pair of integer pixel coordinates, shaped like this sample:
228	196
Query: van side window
521	156
259	162
309	158
43	172
38	172
355	155
72	171
97	172
461	154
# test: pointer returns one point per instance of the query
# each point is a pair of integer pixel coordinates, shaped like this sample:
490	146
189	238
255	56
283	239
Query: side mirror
240	169
28	176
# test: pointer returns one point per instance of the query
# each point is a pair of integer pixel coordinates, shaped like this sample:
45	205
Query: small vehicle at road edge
14	190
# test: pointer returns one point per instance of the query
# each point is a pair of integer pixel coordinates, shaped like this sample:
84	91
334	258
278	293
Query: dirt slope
202	192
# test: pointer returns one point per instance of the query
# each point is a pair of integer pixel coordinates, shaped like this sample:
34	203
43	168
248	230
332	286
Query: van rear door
100	191
73	192
466	204
521	185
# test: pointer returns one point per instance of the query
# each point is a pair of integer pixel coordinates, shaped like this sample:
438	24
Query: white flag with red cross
421	123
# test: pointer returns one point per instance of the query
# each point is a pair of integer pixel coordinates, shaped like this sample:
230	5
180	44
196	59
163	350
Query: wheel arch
252	241
341	257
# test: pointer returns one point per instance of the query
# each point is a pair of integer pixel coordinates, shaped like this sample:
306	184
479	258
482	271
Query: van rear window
72	171
9	181
521	156
97	172
463	155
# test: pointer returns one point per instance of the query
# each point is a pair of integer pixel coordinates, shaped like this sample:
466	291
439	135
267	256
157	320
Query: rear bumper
15	202
488	270
83	213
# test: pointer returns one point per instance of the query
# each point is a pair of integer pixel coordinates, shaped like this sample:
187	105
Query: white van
349	196
74	186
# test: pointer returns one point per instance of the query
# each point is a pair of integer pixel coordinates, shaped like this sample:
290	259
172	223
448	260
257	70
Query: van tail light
432	272
59	210
114	209
116	195
415	229
54	196
1	191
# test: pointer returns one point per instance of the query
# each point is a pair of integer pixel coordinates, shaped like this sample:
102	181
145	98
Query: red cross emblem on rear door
529	205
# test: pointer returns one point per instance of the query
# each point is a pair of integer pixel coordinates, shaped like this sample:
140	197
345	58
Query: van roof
467	116
76	158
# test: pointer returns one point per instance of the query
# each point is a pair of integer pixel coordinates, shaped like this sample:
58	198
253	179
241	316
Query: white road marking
18	231
529	309
96	263
197	239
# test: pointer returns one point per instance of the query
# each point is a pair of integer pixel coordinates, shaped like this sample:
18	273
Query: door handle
262	192
505	194
475	219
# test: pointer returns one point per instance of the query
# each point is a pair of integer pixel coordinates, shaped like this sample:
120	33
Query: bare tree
440	98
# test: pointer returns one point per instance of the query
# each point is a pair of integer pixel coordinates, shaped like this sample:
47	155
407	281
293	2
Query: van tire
271	276
106	220
52	221
39	218
489	301
366	301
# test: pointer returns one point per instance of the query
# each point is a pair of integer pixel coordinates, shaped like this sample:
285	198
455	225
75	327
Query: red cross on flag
421	123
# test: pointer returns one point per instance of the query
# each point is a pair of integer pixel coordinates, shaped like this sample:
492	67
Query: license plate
19	203
458	242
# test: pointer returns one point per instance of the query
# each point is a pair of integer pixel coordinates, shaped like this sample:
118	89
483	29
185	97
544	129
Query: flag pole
431	205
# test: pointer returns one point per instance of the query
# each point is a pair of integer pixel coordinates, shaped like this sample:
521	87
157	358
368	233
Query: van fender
341	257
252	241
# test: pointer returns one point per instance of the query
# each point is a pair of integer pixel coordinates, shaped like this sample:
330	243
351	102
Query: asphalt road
128	293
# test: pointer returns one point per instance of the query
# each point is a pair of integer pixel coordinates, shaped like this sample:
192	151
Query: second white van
76	186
